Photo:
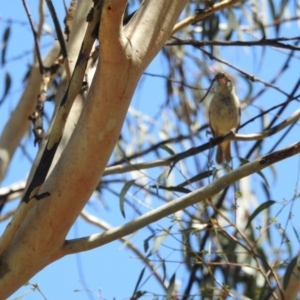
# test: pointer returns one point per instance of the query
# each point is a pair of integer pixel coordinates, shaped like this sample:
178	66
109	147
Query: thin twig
290	96
250	250
262	42
203	14
118	169
35	36
173	80
247	75
96	240
60	37
58	30
7	215
103	225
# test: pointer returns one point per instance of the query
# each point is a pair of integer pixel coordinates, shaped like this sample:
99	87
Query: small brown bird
224	114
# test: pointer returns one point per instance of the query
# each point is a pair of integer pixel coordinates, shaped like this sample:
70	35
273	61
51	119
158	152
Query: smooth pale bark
206	192
123	57
18	122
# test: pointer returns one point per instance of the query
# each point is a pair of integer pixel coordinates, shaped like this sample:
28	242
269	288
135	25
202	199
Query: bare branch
7	215
18	122
103	225
118	169
231	136
259	136
262	42
59	32
135	167
36	38
35	181
68	21
174	80
13	191
96	240
247	75
283	107
203	14
292	290
98	129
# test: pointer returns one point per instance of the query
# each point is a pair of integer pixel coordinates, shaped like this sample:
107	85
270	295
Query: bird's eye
229	82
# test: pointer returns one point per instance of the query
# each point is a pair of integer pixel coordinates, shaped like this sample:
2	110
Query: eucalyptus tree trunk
36	235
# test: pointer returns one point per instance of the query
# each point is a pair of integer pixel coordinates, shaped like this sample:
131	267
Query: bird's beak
222	80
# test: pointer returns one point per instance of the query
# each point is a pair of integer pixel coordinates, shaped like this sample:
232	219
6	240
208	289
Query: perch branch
96	240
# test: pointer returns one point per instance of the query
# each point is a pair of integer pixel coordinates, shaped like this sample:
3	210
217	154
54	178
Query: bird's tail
223	152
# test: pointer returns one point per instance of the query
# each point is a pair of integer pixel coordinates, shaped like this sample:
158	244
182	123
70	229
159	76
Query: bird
224	114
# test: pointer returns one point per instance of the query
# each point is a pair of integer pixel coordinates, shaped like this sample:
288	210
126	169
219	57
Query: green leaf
213	22
124	190
250	87
283	6
171	287
266	190
5	38
263	257
180	187
138	295
138	283
196	178
289	246
272	8
172	188
162	177
262	207
243	161
7	86
168	149
164	268
262	29
159	239
296	233
289	272
261	174
146	242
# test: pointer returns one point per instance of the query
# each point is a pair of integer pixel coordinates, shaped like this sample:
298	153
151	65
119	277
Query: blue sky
112	270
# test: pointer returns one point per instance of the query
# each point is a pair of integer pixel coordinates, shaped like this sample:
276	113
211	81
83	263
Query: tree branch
90	145
262	42
44	158
119	169
292	290
203	14
18	122
58	30
96	240
103	225
269	132
247	75
36	38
